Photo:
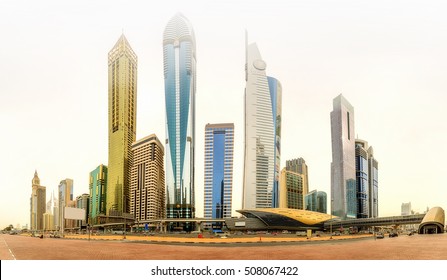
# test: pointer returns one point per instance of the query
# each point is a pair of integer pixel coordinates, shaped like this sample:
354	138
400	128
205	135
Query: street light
332	202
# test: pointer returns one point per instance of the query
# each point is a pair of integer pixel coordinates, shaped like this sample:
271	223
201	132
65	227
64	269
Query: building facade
122	90
316	201
299	166
37	204
147	185
275	89
343	175
83	202
219	154
291	190
179	63
65	199
405	209
361	170
98	193
262	133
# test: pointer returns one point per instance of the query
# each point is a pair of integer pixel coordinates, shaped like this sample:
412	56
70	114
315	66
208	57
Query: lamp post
332	200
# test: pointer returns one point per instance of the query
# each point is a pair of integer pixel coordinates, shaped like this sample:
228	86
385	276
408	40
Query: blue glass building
276	98
179	61
219	153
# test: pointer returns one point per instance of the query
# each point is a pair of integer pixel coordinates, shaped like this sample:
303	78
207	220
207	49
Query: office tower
373	184
299	166
343	189
179	62
275	89
362	188
83	202
37	204
367	180
219	153
65	199
48	222
147	185
98	190
291	190
405	209
122	68
316	201
262	133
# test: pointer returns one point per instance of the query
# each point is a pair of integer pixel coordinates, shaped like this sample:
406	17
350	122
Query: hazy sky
388	58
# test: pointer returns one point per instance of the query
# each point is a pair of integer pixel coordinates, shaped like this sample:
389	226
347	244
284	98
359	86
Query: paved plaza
417	247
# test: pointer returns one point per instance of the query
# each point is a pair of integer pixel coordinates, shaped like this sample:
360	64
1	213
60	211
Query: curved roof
178	29
294	218
434	217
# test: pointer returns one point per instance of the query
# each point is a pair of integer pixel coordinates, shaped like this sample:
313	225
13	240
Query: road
417	247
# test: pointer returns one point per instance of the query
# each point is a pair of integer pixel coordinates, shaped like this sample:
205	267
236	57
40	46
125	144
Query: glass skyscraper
122	66
98	191
262	133
343	175
219	149
179	62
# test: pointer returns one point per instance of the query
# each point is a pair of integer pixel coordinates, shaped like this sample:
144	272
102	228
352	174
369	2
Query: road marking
6	244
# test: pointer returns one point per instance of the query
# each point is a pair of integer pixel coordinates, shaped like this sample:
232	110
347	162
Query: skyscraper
65	199
98	191
122	68
219	153
316	201
147	186
262	133
299	166
291	190
179	61
343	183
37	204
275	89
373	184
362	188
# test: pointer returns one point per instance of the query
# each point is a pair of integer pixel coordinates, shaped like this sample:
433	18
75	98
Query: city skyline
388	60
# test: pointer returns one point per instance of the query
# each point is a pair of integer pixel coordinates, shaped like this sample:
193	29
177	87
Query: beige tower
291	190
122	124
147	187
37	204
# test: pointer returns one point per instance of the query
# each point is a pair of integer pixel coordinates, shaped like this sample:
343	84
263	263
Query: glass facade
343	175
276	100
98	190
219	147
361	162
179	62
260	133
316	201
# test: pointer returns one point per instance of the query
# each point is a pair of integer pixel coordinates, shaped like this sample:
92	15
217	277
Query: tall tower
299	166
219	153
261	116
98	191
37	204
275	89
122	124
179	61
291	191
343	183
147	186
367	172
65	199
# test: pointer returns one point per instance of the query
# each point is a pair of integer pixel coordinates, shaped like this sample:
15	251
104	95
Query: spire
36	180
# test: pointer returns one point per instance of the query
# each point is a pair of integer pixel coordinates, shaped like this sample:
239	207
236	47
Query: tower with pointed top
262	133
122	68
179	62
37	204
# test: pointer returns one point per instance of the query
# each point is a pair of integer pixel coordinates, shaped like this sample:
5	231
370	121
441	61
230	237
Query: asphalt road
417	247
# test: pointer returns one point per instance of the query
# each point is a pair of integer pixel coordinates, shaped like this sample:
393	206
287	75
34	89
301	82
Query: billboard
74	213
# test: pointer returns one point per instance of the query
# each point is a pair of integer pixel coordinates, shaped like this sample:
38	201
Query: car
393	234
379	235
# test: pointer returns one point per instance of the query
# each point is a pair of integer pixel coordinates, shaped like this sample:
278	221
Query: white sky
388	58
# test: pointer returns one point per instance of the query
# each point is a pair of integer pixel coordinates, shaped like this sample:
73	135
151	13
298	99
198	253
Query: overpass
381	221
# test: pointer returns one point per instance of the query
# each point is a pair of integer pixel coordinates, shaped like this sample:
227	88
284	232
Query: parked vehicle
393	234
379	235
